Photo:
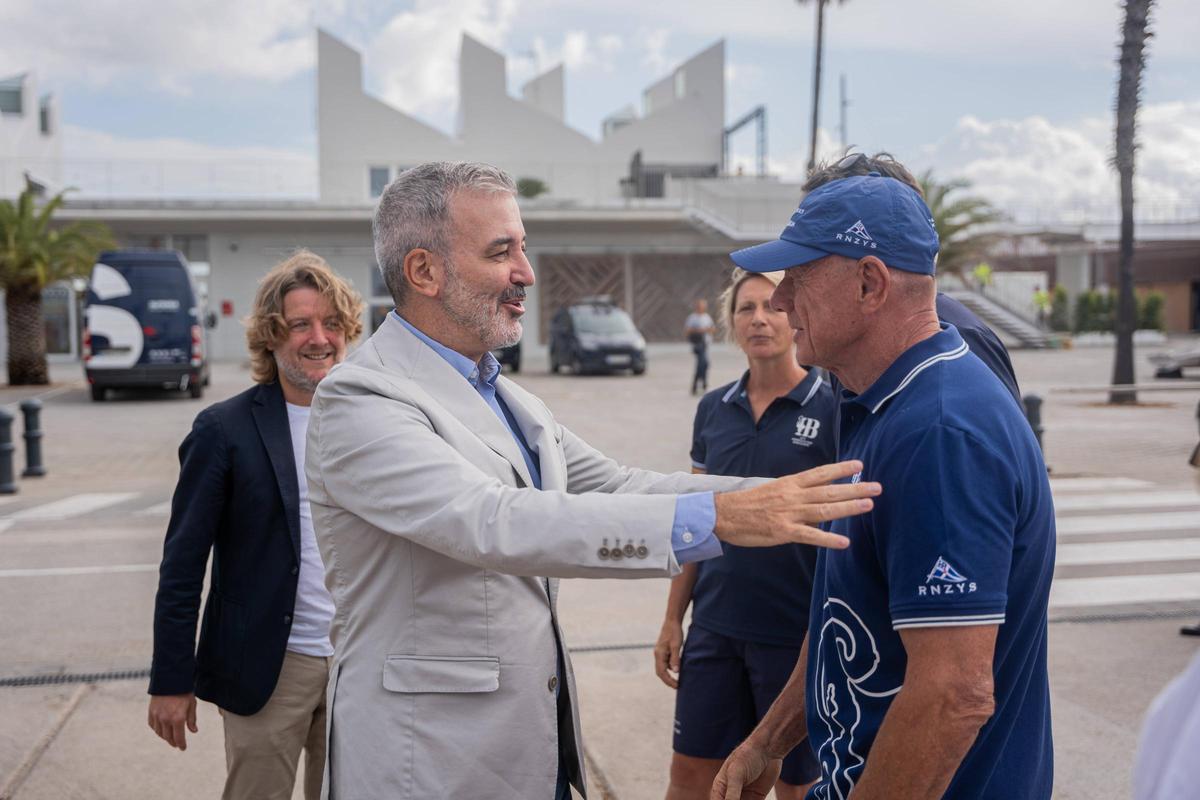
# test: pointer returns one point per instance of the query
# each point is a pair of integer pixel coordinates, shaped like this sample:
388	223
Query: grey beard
296	376
478	313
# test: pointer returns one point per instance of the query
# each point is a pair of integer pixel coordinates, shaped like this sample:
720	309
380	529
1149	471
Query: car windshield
601	319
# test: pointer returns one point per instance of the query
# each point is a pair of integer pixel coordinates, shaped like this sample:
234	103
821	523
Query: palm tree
958	221
816	98
1129	83
34	255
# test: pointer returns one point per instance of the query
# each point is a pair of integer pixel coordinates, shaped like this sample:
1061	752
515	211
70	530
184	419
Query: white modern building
29	134
364	142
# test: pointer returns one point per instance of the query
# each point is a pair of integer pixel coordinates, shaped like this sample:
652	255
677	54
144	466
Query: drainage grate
142	674
1125	616
83	677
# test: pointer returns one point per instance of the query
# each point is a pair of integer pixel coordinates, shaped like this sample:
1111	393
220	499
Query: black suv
594	335
509	356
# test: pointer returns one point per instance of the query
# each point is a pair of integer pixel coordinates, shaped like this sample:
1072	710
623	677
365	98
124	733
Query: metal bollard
32	409
7	484
1033	414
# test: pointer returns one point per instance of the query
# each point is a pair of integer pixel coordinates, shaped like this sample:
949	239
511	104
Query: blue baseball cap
866	215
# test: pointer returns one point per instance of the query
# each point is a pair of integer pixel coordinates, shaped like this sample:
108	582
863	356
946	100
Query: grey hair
414	212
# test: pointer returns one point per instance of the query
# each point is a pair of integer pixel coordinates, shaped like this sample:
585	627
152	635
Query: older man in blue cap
924	671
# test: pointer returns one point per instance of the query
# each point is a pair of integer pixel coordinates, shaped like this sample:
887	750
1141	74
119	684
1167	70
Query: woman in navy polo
749	607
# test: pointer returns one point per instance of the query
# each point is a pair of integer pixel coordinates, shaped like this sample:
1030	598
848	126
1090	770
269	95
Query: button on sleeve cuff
692	537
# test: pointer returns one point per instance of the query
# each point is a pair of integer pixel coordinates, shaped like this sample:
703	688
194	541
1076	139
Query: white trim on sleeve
948	622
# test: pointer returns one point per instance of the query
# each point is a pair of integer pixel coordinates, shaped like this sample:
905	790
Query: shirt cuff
692	536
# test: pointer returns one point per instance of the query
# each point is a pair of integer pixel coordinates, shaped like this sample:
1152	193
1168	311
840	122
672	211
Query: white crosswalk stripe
1125	589
1065	485
157	510
1126	523
1125	542
1142	499
1127	552
70	507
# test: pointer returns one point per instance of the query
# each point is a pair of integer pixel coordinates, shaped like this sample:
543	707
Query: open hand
788	509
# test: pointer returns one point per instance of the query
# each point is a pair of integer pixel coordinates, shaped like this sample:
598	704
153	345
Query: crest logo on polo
807	429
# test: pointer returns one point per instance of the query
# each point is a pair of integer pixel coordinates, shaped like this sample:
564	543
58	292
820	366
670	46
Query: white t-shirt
700	322
1166	767
314	605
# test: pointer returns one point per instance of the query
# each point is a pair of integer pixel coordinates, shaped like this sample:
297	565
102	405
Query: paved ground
79	548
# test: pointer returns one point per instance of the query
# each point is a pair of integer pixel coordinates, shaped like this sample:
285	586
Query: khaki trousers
263	749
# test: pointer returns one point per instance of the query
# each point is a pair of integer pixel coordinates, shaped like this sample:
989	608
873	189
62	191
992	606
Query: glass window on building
10	99
379	177
378	285
193	246
57	302
151	241
44	117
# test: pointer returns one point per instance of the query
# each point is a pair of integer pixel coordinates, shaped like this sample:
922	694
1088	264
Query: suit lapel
399	349
270	416
538	428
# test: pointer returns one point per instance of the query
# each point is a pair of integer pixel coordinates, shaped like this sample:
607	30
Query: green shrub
1083	311
531	187
1060	312
1150	311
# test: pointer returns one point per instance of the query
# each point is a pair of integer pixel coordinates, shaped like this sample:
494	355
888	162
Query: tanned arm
752	769
932	723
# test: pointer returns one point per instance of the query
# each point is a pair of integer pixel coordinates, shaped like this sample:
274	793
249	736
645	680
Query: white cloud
102	165
579	51
1074	31
742	75
1041	171
169	43
653	44
414	59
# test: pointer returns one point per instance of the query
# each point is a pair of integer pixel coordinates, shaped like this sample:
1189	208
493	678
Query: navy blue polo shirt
963	534
981	339
750	593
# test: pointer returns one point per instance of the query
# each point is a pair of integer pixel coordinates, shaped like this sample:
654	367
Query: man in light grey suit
448	502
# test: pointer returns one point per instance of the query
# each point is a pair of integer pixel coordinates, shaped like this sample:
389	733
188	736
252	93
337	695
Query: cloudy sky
1015	96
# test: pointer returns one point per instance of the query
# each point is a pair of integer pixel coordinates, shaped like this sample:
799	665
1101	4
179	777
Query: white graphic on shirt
807	429
942	571
845	634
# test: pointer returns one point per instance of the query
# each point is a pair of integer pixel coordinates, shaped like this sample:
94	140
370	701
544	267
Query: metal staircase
1014	330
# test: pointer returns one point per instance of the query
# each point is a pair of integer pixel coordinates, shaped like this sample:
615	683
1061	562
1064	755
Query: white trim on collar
816	387
733	390
950	355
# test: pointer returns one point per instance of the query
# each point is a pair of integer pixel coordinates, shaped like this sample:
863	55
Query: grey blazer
444	675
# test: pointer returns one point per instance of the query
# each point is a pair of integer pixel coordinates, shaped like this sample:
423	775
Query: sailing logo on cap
859	230
857	234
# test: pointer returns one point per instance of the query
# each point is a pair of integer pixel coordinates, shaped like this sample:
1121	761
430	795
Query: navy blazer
239	498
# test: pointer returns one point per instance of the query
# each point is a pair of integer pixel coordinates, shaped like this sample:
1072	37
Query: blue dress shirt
692	536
